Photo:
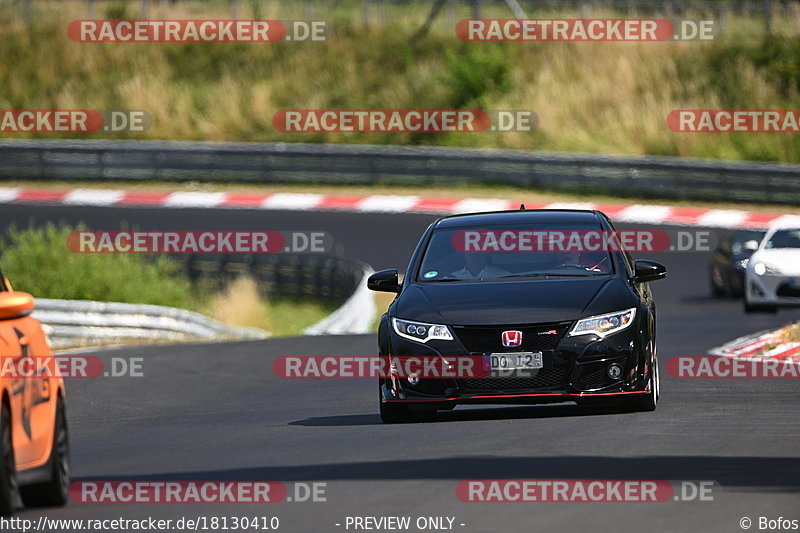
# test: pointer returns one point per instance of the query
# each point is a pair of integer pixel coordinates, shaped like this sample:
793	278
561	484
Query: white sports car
772	278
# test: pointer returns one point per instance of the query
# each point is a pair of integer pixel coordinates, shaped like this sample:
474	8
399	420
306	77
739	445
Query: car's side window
629	262
625	255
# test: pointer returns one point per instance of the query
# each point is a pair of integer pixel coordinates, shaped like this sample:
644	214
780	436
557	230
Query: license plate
515	361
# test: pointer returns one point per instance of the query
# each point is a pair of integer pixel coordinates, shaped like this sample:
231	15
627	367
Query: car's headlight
421	332
764	268
602	325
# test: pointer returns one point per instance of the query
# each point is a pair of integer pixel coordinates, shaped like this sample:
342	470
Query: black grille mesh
542	379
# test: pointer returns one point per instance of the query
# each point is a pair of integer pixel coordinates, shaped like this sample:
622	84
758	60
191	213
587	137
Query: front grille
787	291
542	379
488	339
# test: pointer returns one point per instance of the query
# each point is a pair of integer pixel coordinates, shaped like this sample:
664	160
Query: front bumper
518	398
576	369
772	289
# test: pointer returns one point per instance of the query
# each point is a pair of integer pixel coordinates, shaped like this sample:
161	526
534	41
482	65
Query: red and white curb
761	346
636	213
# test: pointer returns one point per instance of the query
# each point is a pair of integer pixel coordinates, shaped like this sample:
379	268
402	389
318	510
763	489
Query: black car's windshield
516	252
785	238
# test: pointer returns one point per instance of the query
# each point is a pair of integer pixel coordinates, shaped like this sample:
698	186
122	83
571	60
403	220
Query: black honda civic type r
551	323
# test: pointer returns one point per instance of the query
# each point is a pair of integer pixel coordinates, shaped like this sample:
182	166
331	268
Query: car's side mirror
750	246
15	304
648	271
384	281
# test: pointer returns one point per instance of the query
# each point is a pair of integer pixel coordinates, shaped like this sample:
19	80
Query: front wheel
759	308
53	493
8	470
649	401
392	413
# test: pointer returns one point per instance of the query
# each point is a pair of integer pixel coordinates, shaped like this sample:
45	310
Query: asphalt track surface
216	412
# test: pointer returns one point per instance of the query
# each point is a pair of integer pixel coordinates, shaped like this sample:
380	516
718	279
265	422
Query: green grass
38	261
590	97
292	317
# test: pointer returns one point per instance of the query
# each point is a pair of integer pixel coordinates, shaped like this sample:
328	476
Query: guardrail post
767	8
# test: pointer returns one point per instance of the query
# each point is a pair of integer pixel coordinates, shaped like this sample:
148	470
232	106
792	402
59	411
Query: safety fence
671	178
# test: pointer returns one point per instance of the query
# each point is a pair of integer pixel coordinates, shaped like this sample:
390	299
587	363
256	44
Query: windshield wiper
546	275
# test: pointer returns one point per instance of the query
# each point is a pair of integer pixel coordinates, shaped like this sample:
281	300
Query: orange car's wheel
8	475
56	491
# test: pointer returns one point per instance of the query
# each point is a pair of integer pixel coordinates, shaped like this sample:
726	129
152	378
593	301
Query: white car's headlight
602	325
421	332
765	268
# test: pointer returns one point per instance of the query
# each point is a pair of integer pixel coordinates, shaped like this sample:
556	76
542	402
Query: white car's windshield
785	238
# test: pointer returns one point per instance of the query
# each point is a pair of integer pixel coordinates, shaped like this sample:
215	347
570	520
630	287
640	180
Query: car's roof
530	216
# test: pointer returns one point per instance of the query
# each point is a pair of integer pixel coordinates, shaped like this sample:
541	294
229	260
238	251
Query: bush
37	260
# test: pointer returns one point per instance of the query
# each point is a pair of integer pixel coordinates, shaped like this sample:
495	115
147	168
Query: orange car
34	442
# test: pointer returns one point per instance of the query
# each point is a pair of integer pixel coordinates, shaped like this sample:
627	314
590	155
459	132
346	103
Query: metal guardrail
74	323
354	316
629	176
84	323
323	277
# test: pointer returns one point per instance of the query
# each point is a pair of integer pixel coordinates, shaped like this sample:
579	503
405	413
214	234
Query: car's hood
511	302
787	260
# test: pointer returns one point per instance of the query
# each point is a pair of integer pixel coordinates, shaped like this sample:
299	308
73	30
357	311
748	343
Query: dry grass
792	333
382	301
591	97
241	304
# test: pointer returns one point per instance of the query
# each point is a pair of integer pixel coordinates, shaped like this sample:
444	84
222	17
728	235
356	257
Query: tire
648	402
760	308
718	286
53	493
9	493
393	413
